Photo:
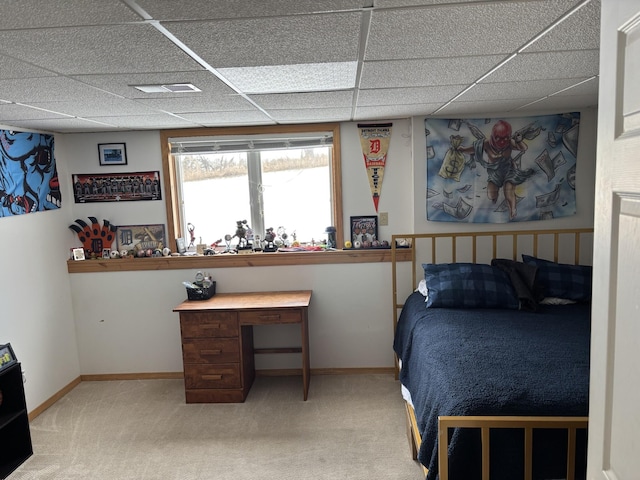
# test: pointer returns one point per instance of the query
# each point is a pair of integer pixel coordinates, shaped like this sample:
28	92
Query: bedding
561	280
495	361
468	285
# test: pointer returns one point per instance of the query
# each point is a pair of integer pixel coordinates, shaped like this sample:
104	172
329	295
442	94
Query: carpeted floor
351	427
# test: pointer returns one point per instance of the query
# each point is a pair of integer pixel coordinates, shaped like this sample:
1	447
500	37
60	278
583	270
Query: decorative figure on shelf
94	237
227	240
269	241
241	233
192	232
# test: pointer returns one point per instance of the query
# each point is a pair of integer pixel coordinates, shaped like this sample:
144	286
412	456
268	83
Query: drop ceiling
73	65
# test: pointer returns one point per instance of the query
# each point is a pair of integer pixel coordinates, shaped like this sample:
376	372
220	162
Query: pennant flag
374	140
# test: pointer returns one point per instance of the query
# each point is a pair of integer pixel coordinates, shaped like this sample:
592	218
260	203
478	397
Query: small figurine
241	233
269	241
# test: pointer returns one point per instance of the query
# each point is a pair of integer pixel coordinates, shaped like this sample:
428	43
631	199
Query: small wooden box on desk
217	341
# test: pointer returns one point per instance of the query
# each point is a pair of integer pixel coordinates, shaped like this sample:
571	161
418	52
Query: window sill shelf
235	260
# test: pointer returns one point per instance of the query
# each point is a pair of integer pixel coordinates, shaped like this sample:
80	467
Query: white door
614	410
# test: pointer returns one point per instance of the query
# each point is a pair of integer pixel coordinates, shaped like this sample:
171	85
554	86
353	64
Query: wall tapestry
374	140
28	174
501	170
116	187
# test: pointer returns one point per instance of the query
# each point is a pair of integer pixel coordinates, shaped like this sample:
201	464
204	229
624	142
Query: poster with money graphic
498	170
374	140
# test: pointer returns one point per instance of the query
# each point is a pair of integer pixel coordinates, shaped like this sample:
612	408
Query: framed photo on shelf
141	237
364	231
112	153
7	357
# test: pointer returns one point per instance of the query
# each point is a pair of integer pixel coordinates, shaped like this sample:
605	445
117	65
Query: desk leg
305	353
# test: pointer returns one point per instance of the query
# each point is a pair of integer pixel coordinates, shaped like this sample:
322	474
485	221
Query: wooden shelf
235	260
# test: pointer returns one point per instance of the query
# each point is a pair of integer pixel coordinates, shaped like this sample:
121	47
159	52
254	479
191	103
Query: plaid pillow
561	280
468	285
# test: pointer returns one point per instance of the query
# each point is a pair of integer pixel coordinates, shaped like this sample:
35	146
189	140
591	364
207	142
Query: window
285	178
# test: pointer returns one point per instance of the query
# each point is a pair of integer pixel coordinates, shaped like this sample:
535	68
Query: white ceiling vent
171	88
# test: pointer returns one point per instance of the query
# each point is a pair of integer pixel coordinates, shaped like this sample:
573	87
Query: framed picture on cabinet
7	357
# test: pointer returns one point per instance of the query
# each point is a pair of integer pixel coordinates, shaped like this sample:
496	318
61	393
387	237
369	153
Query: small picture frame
7	357
112	153
106	253
78	253
364	231
180	245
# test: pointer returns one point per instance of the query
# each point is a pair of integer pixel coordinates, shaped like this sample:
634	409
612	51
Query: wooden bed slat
527	423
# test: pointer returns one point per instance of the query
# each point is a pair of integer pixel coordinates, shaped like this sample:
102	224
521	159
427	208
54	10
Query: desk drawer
269	317
212	376
200	324
211	350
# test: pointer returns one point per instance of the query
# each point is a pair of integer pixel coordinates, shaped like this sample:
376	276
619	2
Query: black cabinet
15	438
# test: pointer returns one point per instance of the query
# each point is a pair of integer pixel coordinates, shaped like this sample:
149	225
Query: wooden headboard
561	245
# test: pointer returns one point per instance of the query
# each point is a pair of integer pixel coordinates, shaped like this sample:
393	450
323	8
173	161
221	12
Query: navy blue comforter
494	362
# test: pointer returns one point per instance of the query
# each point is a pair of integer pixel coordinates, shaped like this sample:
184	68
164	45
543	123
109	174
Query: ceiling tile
459	30
11	111
484	108
220	119
26	90
581	31
194	102
62	125
547	66
311	115
14	68
18	14
395	111
98	49
342	98
219	9
512	90
407	96
273	41
426	72
104	106
134	122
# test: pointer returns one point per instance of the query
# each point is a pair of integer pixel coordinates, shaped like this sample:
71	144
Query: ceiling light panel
293	78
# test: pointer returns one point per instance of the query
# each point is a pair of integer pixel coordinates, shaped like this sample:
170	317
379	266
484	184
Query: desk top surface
248	301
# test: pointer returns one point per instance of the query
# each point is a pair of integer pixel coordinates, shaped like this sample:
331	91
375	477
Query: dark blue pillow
561	280
468	285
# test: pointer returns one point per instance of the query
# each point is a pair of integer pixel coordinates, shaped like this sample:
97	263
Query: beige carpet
351	427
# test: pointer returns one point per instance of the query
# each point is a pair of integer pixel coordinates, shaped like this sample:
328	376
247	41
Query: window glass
283	182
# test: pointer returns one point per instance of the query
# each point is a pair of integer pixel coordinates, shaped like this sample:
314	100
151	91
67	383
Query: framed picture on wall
112	153
364	231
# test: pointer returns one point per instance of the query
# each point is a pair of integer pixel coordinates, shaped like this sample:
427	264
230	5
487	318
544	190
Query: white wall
123	322
37	316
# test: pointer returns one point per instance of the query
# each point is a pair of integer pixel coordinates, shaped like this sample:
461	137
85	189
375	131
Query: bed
494	360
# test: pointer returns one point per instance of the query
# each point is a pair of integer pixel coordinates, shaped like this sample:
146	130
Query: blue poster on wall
501	170
28	174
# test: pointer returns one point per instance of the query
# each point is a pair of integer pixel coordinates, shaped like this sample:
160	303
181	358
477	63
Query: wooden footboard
528	424
485	424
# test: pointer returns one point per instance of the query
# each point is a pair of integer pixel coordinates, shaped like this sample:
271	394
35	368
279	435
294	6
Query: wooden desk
217	341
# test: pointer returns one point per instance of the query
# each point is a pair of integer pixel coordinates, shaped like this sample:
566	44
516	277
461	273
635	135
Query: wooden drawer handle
212	377
211	325
270	317
210	352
